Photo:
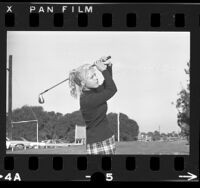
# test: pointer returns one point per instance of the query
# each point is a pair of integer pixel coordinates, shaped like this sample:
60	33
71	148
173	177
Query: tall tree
183	106
129	128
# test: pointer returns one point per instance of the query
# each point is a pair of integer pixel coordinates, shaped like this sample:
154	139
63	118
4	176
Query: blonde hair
76	76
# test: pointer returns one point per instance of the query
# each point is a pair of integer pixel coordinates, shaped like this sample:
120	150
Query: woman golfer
93	104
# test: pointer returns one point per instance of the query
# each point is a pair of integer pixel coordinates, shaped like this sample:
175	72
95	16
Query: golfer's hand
105	61
100	66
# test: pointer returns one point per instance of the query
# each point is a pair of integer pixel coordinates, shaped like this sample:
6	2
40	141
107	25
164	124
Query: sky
148	70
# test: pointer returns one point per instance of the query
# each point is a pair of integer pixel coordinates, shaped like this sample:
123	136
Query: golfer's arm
109	90
102	86
109	68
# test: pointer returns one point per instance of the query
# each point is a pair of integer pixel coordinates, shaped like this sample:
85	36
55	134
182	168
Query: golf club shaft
54	86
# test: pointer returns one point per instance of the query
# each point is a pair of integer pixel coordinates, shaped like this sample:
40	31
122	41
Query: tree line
156	135
55	125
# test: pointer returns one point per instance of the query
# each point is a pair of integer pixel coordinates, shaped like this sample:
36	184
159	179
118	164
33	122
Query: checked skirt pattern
105	147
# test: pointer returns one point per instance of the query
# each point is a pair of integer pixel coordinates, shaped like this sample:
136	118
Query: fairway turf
133	148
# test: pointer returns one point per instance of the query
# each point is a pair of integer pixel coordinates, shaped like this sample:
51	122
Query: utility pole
10	98
118	127
37	133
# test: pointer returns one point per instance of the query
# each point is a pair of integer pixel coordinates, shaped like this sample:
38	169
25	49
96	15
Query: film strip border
107	20
96	168
101	16
104	17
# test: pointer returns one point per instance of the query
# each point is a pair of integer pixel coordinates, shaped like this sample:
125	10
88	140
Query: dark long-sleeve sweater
93	105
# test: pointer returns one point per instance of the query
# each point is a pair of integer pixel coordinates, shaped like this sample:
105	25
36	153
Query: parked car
8	146
19	144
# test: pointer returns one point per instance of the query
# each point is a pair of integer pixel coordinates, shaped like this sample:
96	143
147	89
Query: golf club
41	98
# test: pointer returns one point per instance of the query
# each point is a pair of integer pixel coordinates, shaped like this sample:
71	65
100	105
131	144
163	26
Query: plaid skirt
105	147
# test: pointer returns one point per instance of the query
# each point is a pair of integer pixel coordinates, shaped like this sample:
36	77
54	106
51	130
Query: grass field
133	148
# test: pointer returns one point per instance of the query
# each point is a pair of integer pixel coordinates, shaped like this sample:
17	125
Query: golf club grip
107	58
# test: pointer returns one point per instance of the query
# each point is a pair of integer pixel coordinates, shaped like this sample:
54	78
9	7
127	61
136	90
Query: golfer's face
91	79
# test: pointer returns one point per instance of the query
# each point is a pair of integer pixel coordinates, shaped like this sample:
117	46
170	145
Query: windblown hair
76	76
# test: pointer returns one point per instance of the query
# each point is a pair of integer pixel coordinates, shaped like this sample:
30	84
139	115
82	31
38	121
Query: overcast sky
148	69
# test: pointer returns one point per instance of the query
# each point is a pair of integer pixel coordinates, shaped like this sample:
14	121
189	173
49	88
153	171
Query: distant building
80	134
148	138
144	137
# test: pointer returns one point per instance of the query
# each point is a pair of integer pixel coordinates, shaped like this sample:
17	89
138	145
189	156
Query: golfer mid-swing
93	105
